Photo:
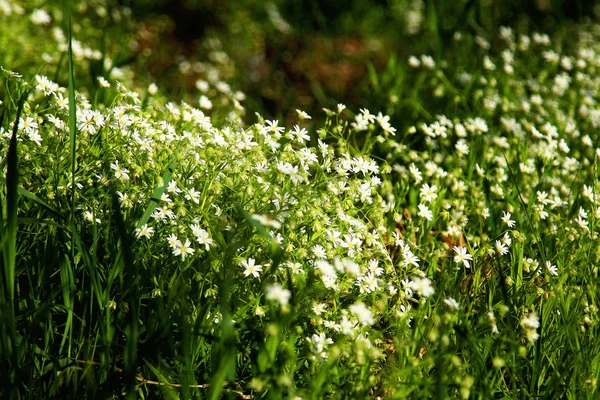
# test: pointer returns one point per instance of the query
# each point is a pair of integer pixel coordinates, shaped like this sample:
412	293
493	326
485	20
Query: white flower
266	221
363	314
202	236
40	17
553	269
319	308
183	249
172	239
152	89
303	115
462	256
453	304
278	293
428	193
425	212
413	61
251	268
501	248
205	103
531	324
145	231
319	343
120	172
103	82
421	286
193	195
506	219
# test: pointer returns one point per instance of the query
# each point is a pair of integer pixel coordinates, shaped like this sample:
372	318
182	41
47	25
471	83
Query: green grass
445	249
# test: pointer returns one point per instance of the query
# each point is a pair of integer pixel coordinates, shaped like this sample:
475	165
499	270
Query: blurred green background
309	54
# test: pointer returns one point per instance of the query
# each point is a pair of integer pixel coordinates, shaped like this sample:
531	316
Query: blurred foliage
307	54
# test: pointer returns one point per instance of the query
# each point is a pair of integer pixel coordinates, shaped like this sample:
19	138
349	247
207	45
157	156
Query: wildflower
326	269
501	248
319	344
421	286
152	89
588	191
193	195
414	61
205	103
531	324
506	219
278	293
202	236
319	308
462	148
89	216
273	128
103	82
427	61
542	197
303	114
428	193
451	303
172	240
41	17
172	187
352	243
46	85
485	213
183	249
120	172
553	269
144	231
425	212
363	314
251	268
374	267
462	256
319	251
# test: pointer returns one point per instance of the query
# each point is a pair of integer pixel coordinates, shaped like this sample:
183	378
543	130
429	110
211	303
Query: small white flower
553	269
303	114
429	193
425	212
501	248
462	256
183	249
506	219
422	286
202	236
145	231
41	17
319	308
452	304
152	89
278	293
251	268
363	314
120	172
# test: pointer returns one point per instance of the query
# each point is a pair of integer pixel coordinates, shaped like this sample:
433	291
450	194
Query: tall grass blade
9	345
72	108
131	330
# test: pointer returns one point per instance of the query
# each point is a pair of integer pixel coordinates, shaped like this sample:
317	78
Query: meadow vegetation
439	240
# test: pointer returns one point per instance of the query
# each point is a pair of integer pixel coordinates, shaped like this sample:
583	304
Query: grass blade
155	198
9	347
72	111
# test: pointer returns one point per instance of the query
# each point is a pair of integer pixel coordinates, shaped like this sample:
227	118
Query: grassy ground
436	237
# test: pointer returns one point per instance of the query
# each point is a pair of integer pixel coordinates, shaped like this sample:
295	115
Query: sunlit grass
159	249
